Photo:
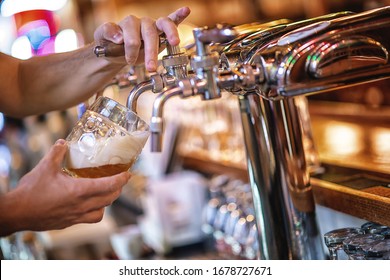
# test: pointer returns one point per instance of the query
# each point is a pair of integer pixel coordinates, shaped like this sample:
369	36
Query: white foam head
91	152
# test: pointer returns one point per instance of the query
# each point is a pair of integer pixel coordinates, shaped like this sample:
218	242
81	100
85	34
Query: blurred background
152	219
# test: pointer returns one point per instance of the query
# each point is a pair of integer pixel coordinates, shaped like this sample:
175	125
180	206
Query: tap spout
136	92
156	84
157	121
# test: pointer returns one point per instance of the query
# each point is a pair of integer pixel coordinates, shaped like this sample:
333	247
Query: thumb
57	152
109	31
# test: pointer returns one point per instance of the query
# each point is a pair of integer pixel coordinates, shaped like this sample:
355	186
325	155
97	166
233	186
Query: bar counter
353	143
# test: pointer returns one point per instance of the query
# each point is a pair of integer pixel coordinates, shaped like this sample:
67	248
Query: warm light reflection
10	7
381	143
65	41
343	138
21	48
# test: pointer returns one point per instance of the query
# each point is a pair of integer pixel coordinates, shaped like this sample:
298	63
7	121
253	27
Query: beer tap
175	63
205	64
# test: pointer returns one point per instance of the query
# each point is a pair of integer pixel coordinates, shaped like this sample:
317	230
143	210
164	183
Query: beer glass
334	240
106	140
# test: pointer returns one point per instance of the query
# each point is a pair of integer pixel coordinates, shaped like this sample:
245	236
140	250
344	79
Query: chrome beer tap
205	64
175	64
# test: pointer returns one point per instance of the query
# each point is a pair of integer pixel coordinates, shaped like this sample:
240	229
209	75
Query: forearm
10	220
59	81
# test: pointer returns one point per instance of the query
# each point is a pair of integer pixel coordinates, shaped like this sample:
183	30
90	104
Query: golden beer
99	171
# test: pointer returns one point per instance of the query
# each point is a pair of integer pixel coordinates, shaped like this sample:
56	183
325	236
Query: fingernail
174	41
60	142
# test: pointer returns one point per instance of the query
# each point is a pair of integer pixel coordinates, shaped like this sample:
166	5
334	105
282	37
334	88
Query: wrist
10	218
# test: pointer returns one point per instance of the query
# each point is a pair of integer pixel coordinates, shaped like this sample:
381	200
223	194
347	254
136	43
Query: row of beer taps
268	65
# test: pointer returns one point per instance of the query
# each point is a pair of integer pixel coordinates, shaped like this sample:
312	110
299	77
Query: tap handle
221	33
110	49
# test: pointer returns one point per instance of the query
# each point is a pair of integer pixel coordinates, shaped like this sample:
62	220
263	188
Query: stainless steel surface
156	122
136	92
205	63
327	55
175	63
266	69
283	198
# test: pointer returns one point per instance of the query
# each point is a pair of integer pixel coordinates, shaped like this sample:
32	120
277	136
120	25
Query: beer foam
118	149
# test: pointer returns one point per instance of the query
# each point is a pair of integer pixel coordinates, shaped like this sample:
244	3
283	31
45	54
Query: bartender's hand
46	198
131	30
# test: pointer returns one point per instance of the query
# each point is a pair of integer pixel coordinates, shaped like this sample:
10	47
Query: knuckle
108	26
147	20
129	19
133	43
160	19
77	191
131	59
163	21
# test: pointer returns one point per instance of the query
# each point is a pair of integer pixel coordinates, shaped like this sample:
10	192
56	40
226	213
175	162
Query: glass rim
104	105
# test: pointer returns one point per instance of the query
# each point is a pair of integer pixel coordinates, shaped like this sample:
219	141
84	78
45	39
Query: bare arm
52	82
59	81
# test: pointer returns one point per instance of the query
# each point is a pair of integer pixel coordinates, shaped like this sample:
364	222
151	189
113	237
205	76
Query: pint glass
106	140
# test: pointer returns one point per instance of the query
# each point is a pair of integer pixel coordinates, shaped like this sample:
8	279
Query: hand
47	198
131	30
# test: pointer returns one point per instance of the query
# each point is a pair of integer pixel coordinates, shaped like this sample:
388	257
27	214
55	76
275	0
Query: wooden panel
212	167
372	204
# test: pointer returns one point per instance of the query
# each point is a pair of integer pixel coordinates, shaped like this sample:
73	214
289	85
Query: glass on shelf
334	240
353	245
377	250
375	228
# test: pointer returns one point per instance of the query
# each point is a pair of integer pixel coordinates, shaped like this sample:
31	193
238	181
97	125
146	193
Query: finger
98	201
57	153
167	26
179	15
131	28
109	31
94	216
151	43
102	186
